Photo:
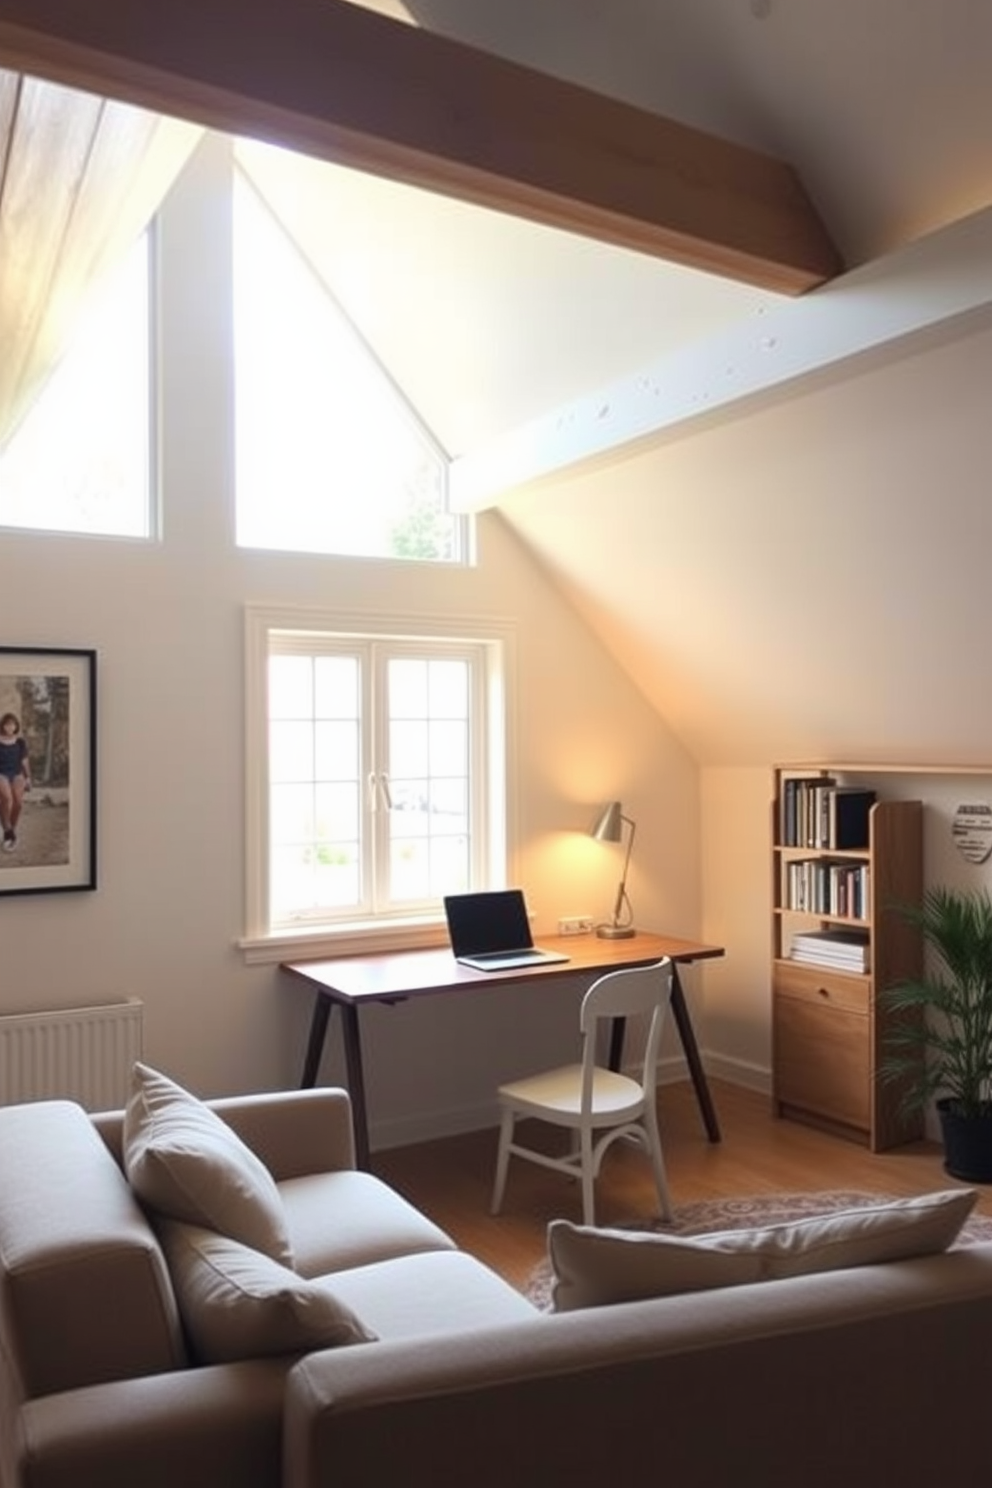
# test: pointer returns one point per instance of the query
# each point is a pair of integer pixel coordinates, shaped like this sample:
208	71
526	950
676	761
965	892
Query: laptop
491	932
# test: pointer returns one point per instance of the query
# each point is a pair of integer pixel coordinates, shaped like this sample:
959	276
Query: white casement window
377	774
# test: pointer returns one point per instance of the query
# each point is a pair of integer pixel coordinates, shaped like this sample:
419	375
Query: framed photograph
47	770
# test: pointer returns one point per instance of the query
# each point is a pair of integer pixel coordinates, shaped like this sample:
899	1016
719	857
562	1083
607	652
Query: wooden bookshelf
829	1022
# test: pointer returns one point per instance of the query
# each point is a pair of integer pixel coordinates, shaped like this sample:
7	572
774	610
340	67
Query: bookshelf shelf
824	919
828	1021
791	854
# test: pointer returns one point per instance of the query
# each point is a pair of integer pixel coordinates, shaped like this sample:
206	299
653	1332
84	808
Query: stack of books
815	886
843	950
817	812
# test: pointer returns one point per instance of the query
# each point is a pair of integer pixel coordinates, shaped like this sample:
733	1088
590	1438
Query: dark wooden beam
347	84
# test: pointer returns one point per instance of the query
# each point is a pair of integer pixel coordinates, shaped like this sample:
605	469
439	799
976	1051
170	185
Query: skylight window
80	459
330	456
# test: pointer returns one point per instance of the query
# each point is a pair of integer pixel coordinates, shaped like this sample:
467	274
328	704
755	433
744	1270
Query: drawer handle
823	991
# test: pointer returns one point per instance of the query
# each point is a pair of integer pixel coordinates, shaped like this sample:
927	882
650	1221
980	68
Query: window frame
495	643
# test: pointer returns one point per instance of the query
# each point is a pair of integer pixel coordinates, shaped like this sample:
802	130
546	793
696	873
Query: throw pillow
183	1161
593	1267
237	1303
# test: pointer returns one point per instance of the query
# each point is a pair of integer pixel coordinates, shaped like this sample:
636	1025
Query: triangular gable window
330	456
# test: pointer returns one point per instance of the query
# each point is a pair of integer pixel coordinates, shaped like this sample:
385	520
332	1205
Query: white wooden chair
589	1099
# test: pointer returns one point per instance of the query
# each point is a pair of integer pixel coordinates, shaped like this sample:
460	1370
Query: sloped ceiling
882	107
520	319
80	178
802	578
689	551
411	105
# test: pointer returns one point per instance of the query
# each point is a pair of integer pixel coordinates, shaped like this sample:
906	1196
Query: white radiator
81	1054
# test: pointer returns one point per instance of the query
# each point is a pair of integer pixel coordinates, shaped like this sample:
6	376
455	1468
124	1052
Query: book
830	962
844	950
802	816
849	811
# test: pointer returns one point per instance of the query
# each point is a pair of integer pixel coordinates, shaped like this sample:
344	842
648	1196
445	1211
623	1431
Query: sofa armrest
799	1381
198	1428
294	1132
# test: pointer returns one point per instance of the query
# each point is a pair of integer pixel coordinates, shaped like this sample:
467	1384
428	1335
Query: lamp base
615	932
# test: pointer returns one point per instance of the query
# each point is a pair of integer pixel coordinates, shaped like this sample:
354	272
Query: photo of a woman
47	770
15	777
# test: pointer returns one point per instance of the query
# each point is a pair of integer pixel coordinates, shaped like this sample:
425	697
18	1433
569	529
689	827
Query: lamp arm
622	889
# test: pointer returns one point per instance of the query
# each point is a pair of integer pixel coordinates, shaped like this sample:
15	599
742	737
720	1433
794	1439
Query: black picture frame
51	694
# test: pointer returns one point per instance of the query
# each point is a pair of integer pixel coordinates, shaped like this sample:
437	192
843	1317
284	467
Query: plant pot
967	1143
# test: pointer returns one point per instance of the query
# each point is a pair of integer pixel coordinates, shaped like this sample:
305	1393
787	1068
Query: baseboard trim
430	1126
738	1072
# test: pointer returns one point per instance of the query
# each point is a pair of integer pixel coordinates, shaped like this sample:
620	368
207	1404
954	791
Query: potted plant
941	1045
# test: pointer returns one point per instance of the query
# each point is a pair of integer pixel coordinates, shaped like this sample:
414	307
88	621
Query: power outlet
575	925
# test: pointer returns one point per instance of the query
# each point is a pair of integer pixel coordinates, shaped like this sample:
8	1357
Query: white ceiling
484	320
881	106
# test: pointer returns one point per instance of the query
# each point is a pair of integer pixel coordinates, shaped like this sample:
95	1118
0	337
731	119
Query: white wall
166	620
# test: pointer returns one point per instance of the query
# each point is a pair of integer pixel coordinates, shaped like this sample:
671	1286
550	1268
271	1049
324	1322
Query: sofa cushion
440	1291
237	1303
343	1219
594	1267
185	1162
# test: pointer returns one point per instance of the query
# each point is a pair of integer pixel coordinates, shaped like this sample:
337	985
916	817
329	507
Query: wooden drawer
822	1058
820	985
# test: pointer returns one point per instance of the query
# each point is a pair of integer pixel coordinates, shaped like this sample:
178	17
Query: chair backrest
624	994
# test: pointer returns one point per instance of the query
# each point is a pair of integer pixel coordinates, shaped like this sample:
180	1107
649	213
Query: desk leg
315	1043
688	1037
319	1019
356	1084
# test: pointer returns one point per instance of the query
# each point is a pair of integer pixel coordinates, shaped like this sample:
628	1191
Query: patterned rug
709	1215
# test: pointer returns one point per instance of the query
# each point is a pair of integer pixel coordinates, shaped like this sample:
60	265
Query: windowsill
349	940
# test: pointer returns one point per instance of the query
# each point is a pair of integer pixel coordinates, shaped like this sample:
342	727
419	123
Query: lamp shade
609	825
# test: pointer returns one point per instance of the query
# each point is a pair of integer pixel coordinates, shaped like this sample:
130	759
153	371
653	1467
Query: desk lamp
609	828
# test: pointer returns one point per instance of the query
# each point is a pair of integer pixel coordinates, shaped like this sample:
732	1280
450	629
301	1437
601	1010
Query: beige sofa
864	1376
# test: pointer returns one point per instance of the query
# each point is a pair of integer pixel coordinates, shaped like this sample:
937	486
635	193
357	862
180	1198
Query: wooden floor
451	1179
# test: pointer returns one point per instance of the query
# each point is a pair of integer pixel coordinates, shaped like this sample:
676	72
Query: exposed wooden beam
347	84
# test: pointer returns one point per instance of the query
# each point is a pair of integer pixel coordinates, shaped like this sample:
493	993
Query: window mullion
377	736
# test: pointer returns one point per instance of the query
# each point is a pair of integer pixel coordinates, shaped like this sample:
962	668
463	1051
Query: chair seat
614	1096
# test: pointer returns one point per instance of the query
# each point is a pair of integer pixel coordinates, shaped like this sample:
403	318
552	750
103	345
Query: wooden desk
352	981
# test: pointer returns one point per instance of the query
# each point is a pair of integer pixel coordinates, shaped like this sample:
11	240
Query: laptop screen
492	921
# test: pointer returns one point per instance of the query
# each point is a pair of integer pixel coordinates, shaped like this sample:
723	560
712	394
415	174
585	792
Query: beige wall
804	577
166	620
735	829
